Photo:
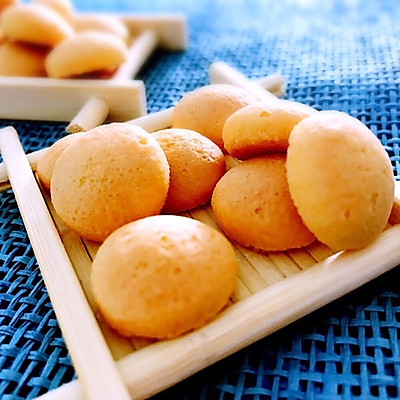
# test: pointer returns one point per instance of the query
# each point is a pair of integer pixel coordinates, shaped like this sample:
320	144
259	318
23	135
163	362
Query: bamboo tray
272	291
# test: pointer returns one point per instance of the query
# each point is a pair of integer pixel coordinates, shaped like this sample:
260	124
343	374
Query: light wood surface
221	72
45	99
171	29
91	356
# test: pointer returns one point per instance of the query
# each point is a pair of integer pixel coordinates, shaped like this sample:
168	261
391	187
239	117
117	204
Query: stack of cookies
300	175
305	175
46	38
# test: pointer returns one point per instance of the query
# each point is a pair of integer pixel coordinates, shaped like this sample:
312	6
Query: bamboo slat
47	99
90	355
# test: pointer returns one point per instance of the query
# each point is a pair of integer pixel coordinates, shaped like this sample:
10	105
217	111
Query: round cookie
6	3
107	177
262	128
102	23
84	53
196	165
340	178
252	205
62	7
206	109
36	24
46	163
19	59
162	276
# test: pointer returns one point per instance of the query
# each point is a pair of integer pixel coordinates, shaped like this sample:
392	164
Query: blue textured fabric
342	55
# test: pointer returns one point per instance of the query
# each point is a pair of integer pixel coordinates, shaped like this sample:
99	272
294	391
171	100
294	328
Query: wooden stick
274	83
91	357
220	72
171	29
155	121
138	54
163	364
95	111
46	99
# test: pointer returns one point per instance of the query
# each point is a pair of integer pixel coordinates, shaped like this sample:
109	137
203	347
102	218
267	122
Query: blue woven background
342	55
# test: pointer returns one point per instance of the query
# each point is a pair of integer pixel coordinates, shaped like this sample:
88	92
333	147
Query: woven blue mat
342	55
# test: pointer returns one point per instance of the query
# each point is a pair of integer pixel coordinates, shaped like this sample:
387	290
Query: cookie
109	176
100	22
262	128
162	276
196	164
340	178
35	24
206	109
62	7
46	163
252	205
84	53
21	59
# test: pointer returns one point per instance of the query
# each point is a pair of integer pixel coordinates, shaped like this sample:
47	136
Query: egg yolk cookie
162	276
107	177
252	205
206	109
196	164
340	178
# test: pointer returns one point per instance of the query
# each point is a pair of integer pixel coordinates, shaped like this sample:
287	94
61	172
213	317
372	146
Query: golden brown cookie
340	178
107	177
100	22
196	164
20	59
62	7
162	276
262	128
252	205
6	3
86	52
36	24
46	163
206	109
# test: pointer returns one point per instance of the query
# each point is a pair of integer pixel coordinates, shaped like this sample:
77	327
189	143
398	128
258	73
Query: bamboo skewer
91	357
220	72
96	110
138	54
274	83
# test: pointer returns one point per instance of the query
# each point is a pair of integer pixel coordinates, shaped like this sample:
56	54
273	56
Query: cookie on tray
162	276
46	163
196	164
206	109
340	178
21	59
35	24
109	176
252	205
85	53
262	128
